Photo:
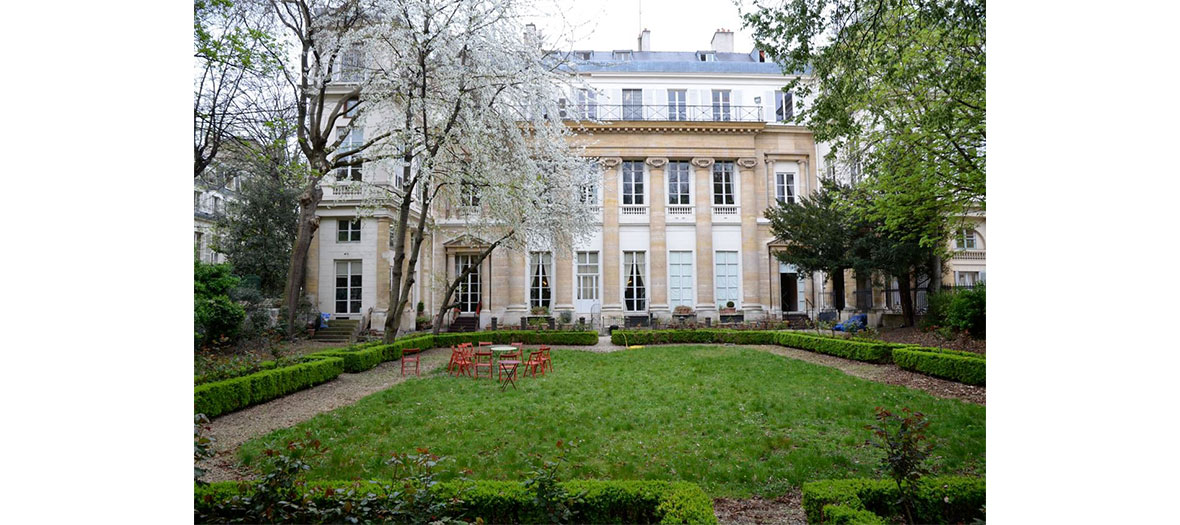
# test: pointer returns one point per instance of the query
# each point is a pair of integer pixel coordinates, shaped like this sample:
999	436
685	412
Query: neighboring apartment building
693	149
209	202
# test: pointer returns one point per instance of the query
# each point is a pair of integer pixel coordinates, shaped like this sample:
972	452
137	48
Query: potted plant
728	308
729	314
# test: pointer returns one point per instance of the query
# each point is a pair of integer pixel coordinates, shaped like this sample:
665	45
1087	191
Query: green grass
735	420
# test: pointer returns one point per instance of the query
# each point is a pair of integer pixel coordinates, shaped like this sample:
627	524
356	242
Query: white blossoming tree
469	99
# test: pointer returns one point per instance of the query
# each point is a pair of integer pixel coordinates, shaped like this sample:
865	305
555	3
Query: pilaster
517	268
703	177
563	281
612	307
751	265
659	238
382	241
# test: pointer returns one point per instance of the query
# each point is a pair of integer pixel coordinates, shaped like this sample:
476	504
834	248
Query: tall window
218	209
353	138
784	106
197	200
348	287
965	240
966	278
633	182
680	279
784	187
348	230
350	106
677	107
725	281
352	64
587	104
468	292
679	182
587	276
723	183
632	104
540	271
720	104
635	290
468	194
199	245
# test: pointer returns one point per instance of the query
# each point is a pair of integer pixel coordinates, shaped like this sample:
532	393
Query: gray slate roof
675	62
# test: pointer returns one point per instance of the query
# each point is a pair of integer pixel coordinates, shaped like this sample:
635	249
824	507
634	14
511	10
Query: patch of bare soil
913	335
784	510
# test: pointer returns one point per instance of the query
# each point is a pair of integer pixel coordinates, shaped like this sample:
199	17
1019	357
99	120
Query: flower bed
511	502
947	499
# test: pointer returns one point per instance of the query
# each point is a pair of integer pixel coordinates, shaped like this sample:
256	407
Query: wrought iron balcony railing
664	112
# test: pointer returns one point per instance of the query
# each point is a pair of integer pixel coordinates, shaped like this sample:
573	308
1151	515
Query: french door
348	287
468	292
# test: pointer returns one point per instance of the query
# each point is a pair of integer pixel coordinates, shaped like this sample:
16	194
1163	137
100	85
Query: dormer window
624	56
707	56
581	55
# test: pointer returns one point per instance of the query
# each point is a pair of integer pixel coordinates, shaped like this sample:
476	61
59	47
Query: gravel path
233	429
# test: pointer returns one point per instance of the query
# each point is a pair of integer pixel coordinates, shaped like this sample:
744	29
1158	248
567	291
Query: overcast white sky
605	25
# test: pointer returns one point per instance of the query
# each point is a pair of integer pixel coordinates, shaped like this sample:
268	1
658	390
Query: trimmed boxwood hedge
661	337
511	502
220	397
855	350
953	365
945	499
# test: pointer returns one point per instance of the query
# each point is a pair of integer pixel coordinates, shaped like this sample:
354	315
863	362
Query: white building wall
331	251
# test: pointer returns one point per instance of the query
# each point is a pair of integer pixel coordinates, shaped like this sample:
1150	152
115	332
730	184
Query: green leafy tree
820	231
216	317
259	229
898	88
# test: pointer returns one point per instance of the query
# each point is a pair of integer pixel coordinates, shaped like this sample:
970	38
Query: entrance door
468	292
586	274
789	285
348	287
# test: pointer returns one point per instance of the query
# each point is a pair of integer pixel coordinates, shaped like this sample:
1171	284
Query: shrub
493	501
358	358
963	367
855	350
967	312
937	305
220	397
216	317
945	499
903	439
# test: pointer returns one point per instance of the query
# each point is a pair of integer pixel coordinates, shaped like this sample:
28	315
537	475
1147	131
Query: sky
607	25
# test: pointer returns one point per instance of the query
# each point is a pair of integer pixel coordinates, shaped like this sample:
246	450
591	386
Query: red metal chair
461	355
546	359
485	343
410	355
519	346
534	361
482	359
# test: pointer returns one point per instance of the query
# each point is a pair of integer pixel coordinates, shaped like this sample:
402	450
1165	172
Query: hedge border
953	366
604	501
944	499
221	397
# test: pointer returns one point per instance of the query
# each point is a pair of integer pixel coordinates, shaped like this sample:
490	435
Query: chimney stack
645	40
722	41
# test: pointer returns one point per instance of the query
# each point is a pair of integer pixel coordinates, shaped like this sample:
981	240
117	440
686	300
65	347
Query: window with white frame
582	55
348	230
348	287
199	244
679	182
966	278
622	55
218	207
725	281
680	279
965	240
469	194
784	187
707	56
587	104
587	271
197	200
677	104
350	106
352	64
632	104
633	182
540	271
589	193
723	183
353	138
784	106
635	288
721	104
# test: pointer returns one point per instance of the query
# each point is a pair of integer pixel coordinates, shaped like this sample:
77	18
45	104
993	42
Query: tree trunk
935	284
907	301
297	273
397	292
446	304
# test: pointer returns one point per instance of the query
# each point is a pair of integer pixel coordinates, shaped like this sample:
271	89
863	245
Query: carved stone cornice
657	162
611	162
702	162
747	162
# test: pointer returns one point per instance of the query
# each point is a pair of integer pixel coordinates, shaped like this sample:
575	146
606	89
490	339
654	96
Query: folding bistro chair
485	343
534	361
546	359
483	359
410	355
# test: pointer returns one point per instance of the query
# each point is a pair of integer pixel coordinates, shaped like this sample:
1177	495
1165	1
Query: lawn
735	420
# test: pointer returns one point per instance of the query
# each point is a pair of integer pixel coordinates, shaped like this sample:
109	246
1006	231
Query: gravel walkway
233	429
